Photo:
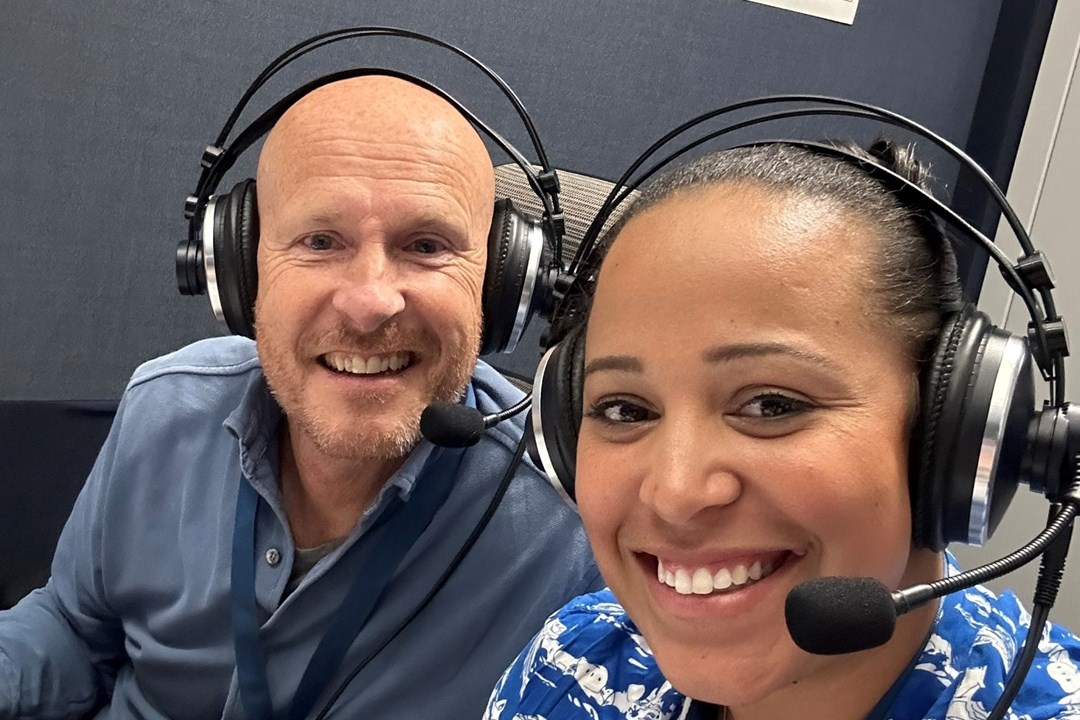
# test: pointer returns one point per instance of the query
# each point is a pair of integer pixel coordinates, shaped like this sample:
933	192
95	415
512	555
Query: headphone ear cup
512	279
977	403
557	409
236	244
927	497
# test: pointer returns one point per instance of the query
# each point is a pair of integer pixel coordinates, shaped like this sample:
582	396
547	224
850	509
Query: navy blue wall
105	108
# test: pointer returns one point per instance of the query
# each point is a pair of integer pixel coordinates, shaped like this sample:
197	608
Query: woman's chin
724	680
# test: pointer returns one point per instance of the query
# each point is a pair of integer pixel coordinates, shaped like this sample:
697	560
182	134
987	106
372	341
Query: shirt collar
254	423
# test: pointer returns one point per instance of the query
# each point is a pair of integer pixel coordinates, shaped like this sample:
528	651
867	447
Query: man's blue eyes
426	246
320	242
422	246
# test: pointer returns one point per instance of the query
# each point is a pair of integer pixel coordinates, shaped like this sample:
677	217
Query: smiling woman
749	385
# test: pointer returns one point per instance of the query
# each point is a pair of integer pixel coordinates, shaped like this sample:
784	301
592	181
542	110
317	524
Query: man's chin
372	424
382	443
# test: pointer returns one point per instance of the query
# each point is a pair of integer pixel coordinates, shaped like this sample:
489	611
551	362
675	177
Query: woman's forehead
747	257
726	230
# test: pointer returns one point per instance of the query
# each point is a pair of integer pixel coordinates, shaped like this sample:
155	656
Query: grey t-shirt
305	558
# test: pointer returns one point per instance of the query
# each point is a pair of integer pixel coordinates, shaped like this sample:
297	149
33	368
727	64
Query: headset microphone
453	425
836	615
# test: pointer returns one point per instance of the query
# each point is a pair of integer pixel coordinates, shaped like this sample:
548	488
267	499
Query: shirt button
273	557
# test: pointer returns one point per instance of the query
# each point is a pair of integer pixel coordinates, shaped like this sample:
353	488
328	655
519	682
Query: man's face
371	261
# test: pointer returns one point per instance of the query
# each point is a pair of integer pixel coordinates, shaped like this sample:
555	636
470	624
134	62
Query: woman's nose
689	472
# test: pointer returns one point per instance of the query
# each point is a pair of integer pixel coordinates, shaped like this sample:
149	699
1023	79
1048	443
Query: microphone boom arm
918	595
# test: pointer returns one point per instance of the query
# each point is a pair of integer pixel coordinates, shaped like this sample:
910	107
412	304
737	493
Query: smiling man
253	540
371	265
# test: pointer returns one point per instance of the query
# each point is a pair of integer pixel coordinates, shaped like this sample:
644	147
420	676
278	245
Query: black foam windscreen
836	615
451	424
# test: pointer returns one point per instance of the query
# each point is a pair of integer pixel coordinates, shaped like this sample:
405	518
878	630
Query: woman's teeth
702	581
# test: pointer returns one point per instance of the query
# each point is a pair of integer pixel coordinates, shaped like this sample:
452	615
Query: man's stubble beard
362	442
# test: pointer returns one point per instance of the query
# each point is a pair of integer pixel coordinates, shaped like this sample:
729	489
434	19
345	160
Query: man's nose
370	291
690	471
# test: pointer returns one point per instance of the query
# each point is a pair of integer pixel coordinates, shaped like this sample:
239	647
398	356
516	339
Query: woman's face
746	421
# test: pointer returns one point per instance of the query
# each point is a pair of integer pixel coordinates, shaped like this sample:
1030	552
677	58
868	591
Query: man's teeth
701	581
358	365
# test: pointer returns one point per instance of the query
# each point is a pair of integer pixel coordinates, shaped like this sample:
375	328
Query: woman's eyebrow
624	363
713	355
726	353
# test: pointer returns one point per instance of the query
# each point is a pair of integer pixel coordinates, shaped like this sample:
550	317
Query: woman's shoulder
976	641
588	661
596	628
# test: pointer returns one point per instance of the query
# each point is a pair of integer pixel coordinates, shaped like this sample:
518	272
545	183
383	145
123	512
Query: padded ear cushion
236	242
927	501
978	402
557	409
507	276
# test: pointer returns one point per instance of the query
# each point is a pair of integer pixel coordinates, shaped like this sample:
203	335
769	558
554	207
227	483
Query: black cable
1062	519
1039	614
509	412
1051	571
465	548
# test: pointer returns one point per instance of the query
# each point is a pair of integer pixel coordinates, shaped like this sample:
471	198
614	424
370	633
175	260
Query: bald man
254	501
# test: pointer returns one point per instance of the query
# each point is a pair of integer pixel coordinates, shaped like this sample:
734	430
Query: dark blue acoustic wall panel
105	108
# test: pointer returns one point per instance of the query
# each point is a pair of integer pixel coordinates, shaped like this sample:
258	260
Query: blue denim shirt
135	621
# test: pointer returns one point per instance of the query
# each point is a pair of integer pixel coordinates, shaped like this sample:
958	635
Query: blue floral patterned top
590	662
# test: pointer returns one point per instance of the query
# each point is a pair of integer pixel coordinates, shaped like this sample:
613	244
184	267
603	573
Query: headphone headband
219	255
313	43
218	158
1028	276
223	161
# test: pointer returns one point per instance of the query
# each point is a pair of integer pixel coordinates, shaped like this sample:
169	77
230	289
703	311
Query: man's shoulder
213	357
494	392
206	380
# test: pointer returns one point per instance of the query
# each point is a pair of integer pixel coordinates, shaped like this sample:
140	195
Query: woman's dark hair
916	276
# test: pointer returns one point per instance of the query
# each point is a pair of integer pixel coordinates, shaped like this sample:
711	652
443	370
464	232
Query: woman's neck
847	687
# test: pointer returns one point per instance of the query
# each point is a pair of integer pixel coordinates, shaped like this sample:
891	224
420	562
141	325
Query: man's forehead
378	109
418	131
424	173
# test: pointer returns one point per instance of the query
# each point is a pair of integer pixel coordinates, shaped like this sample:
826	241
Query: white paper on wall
841	11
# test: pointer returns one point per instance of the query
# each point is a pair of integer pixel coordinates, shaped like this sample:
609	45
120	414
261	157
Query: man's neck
324	497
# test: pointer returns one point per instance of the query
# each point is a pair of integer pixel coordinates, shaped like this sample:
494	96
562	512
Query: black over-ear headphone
219	256
979	433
